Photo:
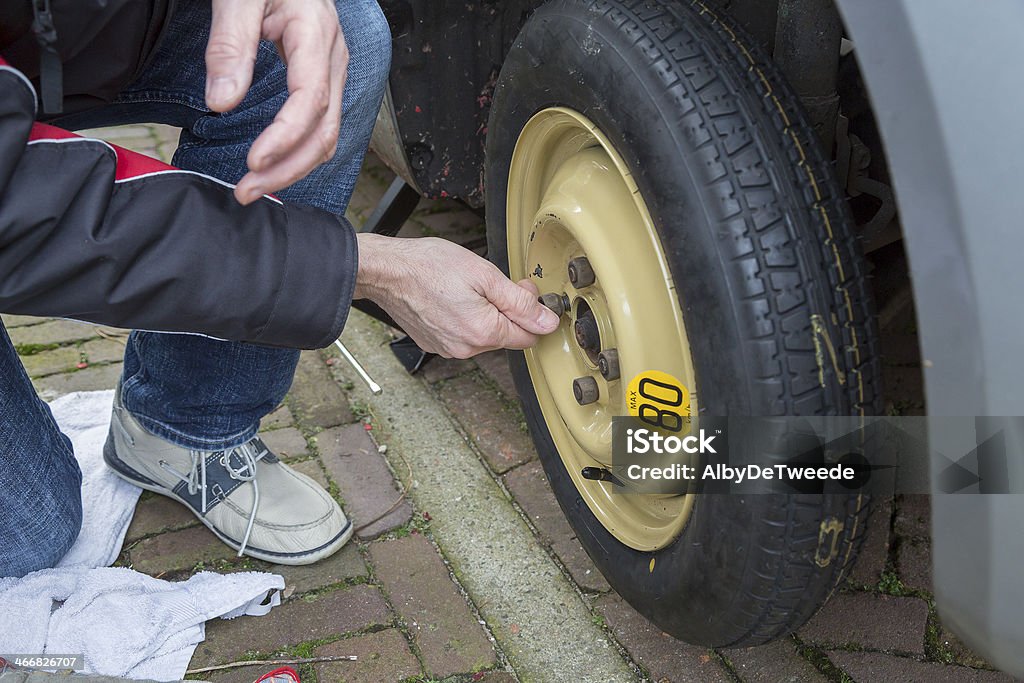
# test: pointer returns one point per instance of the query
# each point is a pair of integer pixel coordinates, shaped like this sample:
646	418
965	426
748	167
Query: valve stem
600	474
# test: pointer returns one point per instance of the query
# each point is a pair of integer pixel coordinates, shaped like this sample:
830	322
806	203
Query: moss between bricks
33	349
890	584
820	661
303	650
933	646
417	524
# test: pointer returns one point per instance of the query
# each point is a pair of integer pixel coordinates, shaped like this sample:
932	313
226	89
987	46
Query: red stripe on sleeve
129	164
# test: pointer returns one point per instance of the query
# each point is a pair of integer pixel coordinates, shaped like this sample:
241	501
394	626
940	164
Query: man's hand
448	299
309	39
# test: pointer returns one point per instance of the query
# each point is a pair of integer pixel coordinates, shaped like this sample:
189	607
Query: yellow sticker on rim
659	400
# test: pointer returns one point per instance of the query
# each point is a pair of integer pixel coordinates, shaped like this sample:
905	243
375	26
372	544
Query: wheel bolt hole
586	331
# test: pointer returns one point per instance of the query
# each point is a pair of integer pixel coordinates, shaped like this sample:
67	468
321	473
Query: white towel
124	623
108	502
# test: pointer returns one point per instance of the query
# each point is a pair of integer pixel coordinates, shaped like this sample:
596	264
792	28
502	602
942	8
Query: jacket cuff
315	294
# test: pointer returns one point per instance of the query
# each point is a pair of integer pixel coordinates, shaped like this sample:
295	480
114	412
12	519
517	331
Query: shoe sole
132	476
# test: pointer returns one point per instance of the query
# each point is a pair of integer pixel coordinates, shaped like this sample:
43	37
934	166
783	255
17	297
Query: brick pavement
389	596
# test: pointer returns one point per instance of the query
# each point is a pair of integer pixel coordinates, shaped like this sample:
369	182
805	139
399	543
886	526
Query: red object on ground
285	674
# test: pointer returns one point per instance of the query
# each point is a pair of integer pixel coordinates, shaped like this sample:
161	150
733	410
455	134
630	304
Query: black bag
80	53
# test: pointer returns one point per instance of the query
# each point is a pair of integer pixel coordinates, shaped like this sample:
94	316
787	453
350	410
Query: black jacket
96	233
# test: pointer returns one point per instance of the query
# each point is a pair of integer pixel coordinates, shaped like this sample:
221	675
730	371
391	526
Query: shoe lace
248	453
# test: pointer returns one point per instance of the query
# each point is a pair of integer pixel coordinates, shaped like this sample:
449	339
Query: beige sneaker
252	501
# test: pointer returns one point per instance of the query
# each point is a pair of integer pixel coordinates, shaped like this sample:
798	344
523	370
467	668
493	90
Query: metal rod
365	376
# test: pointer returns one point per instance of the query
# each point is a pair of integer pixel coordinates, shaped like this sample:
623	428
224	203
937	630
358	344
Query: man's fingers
515	337
519	304
530	285
231	51
281	173
304	133
295	130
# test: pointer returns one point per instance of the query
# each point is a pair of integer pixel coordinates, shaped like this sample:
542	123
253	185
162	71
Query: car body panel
945	86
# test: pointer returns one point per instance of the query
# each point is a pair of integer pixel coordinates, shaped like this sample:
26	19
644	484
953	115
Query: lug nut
587	334
580	273
608	364
584	389
559	303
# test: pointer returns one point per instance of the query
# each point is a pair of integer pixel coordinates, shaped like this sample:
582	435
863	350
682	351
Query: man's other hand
448	299
309	39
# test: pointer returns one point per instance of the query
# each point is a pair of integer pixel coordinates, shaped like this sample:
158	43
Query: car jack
410	355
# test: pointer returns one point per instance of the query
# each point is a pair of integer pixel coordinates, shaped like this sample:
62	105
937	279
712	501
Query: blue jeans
196	392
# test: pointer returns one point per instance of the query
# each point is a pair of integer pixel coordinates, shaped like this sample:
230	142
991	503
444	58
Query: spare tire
648	163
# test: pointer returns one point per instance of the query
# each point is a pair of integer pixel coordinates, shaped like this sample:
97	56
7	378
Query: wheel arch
939	79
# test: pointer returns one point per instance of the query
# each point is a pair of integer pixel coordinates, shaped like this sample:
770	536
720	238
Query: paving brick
93	378
442	625
530	489
298	621
492	425
10	321
368	191
869	620
143	145
438	368
874	666
776	662
445	219
666	659
905	390
900	348
64	359
961	653
119	133
167	137
914	564
281	417
288	443
874	553
485	677
316	399
363	478
52	332
913	516
494	364
242	674
383	657
178	551
311	468
103	351
343	565
165	132
156	513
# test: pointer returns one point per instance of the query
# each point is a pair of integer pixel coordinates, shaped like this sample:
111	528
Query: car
712	194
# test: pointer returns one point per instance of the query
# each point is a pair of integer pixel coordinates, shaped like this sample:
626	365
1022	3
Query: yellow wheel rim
571	195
